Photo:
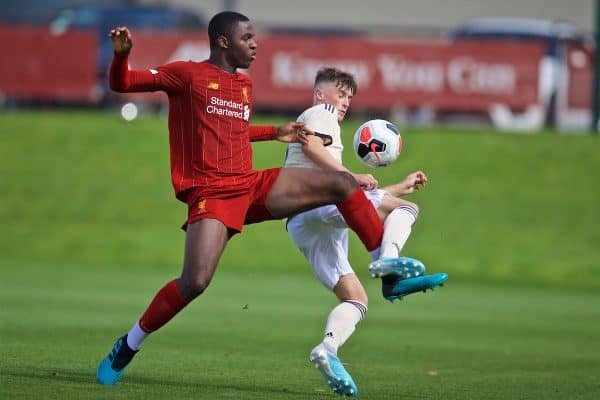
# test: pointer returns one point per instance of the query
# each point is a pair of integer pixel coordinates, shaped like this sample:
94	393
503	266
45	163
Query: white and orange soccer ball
377	143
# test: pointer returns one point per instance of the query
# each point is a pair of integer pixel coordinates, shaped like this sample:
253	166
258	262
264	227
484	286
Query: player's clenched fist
121	40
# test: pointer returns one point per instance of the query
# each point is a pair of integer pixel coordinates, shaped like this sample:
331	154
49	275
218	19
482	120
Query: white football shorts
322	236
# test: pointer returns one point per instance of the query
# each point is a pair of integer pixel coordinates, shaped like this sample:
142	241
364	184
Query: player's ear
319	94
223	42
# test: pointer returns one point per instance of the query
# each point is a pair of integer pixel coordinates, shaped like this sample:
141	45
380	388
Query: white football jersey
323	119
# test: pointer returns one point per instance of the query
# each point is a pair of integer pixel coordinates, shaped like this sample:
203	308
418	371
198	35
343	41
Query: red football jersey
209	114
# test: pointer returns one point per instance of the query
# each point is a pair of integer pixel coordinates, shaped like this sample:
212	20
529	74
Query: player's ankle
329	345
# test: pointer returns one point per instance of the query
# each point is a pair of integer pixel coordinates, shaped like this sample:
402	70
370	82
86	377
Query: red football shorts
234	208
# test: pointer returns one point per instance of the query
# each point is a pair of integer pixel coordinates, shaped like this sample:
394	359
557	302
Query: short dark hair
337	76
223	24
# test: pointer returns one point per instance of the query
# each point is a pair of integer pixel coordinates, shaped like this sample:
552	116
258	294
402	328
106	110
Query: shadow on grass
78	377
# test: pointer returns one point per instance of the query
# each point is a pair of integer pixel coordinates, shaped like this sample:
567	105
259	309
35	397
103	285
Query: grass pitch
249	337
90	232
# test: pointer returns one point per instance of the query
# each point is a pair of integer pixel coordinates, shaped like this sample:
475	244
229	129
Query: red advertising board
580	65
459	76
441	74
39	65
467	76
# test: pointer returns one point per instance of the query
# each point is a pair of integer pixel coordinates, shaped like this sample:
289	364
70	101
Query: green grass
249	336
90	230
502	208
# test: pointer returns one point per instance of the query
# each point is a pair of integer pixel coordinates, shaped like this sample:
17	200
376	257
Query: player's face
242	48
338	96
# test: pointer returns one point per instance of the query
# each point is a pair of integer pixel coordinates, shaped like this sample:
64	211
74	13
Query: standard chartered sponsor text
216	101
226	108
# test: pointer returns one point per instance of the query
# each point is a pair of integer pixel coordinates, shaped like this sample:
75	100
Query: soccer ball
377	143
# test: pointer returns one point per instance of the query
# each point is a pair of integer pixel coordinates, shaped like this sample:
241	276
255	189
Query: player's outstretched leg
401	267
393	287
113	365
336	376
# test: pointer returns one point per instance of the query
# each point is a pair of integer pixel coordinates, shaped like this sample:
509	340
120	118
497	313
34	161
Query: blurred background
489	96
495	102
515	65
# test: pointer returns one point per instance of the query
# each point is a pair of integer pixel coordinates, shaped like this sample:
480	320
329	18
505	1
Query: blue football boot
394	288
401	267
336	376
113	365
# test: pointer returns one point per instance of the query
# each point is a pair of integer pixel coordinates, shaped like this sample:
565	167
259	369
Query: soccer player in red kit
210	105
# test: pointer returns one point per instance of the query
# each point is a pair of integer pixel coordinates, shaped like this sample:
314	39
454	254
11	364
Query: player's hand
121	40
414	182
366	181
293	132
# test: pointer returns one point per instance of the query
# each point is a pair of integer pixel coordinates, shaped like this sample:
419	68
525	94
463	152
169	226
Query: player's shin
397	229
362	218
165	305
341	323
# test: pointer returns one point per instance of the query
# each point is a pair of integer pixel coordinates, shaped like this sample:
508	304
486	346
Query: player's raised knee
193	286
410	209
415	206
342	185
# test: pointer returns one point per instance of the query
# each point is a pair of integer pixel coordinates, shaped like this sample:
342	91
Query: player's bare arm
121	40
313	147
410	184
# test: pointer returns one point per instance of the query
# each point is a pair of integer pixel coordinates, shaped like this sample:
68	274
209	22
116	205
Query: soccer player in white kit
322	234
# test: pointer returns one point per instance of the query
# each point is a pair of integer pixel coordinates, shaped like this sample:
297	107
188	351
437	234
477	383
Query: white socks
396	230
375	253
341	323
136	337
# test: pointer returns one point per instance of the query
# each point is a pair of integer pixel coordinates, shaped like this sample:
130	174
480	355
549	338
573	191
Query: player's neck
221	63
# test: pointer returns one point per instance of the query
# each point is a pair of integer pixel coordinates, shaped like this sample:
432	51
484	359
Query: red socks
362	218
165	305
